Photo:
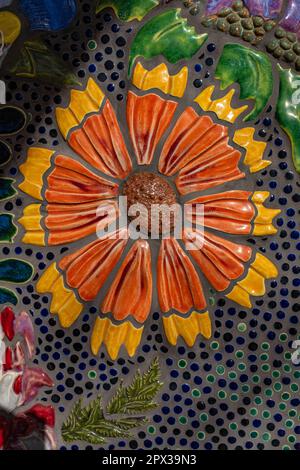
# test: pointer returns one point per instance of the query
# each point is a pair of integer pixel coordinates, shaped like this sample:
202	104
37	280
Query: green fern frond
137	397
88	423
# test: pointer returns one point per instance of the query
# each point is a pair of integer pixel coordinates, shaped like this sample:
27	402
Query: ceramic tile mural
111	338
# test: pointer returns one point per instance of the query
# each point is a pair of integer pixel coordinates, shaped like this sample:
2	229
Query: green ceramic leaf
38	61
167	34
14	270
128	10
252	70
6	188
137	397
90	425
288	110
7	228
7	297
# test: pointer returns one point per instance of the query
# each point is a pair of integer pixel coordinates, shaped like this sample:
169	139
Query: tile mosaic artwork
112	341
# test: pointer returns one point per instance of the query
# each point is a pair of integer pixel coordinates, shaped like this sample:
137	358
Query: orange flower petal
67	224
220	260
217	166
229	212
87	269
148	118
101	144
192	136
178	284
131	291
70	182
199	149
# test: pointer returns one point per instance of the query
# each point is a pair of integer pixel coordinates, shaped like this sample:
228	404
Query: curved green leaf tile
14	270
167	34
8	229
7	297
252	70
128	10
6	188
38	61
288	110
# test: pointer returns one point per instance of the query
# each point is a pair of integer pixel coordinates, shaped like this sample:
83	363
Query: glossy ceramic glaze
140	91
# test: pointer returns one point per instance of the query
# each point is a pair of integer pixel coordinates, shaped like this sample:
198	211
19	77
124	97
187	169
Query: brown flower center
156	196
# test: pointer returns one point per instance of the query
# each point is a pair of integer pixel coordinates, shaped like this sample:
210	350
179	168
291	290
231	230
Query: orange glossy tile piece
148	118
71	222
178	284
231	212
191	136
100	143
70	182
198	149
88	268
78	201
220	260
131	291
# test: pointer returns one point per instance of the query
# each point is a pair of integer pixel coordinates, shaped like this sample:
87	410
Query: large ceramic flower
159	147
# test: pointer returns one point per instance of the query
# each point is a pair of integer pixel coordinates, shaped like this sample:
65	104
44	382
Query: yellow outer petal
34	238
60	295
70	311
265	216
37	163
265	267
114	336
259	197
65	120
264	230
179	83
189	328
160	78
240	296
263	223
221	107
48	278
64	302
10	26
31	221
254	283
205	98
254	149
82	102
